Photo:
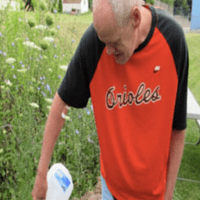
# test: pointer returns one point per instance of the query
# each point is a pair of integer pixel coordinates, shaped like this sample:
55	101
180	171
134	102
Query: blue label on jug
62	180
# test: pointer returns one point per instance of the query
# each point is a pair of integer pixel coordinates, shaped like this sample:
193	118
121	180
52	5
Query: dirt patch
95	194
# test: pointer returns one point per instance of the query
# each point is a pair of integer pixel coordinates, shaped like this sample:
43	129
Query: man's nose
109	49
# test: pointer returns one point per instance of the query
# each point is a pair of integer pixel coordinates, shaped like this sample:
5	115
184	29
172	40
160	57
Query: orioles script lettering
142	95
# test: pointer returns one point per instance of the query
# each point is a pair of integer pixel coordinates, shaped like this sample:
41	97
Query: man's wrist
168	196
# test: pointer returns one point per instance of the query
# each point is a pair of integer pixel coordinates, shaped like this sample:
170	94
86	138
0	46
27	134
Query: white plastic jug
60	183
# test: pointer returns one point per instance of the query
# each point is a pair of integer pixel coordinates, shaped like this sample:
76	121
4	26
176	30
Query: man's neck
145	26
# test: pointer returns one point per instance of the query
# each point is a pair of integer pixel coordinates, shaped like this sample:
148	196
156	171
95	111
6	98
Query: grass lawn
190	168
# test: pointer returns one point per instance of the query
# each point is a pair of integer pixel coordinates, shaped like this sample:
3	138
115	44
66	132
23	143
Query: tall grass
30	74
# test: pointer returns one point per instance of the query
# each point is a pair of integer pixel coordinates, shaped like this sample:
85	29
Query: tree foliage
60	6
169	2
178	3
90	4
150	2
183	4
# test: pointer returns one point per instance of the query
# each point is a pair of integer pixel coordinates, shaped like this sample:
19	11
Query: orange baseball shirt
136	105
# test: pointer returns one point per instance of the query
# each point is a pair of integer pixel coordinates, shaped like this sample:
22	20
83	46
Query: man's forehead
109	39
107	32
102	15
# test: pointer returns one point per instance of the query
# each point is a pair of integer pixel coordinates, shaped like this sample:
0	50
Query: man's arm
175	155
53	127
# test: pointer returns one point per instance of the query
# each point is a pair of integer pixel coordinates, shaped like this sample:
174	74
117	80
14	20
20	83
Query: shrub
31	22
44	44
43	5
49	19
52	31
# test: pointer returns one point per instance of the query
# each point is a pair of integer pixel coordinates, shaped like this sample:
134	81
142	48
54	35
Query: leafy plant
43	5
150	2
31	22
49	19
44	44
60	6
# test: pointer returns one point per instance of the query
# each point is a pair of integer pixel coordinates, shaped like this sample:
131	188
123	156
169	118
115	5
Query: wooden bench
193	110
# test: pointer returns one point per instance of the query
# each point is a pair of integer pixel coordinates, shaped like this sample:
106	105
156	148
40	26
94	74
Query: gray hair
122	9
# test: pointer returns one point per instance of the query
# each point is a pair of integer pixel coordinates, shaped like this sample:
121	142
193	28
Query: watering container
59	182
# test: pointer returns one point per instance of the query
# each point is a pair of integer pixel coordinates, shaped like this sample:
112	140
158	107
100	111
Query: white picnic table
193	109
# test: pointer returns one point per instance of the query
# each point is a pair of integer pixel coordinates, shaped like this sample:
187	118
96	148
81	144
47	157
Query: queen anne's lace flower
49	100
64	67
41	27
21	70
31	45
10	60
49	39
65	117
8	82
35	105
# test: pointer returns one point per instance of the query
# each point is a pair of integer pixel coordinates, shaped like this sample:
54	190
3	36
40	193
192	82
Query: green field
190	169
28	83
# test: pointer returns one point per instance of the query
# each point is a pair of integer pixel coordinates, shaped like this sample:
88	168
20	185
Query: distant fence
181	15
163	6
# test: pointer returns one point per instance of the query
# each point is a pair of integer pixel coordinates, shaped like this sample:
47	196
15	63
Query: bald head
103	17
120	9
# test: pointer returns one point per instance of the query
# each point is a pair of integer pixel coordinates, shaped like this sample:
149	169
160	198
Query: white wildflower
61	143
50	69
8	82
35	105
21	70
10	60
64	67
41	27
49	39
65	116
49	100
31	45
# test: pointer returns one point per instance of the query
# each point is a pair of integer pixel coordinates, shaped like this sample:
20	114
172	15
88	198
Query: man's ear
135	16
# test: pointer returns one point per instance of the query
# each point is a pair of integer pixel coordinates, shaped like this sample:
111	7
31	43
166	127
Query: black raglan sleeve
180	112
175	37
74	89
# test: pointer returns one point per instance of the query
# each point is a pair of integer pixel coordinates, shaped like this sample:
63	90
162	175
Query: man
133	63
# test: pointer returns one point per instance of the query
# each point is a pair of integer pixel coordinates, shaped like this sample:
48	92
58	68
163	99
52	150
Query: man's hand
40	188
